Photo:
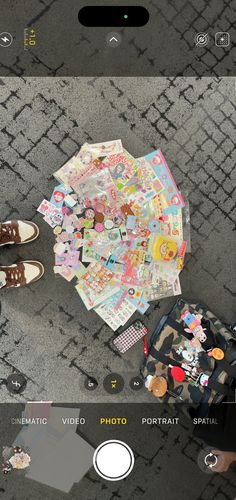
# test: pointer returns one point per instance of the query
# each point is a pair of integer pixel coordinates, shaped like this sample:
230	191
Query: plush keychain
200	329
189	353
159	387
193	322
156	385
190	373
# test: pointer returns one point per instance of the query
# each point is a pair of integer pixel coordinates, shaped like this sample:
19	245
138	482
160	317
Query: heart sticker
58	196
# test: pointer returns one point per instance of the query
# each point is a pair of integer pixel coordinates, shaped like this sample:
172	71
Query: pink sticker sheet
173	196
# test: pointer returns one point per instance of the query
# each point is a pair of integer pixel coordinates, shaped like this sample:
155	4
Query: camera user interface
117	236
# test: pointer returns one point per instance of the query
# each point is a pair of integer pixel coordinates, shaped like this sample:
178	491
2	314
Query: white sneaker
18	232
21	274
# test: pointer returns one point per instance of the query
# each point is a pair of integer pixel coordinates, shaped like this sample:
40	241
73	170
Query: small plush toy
157	385
193	322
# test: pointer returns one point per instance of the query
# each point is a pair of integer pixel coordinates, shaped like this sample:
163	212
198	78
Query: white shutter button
113	460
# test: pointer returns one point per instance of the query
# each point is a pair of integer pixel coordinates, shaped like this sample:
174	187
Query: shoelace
8	232
15	275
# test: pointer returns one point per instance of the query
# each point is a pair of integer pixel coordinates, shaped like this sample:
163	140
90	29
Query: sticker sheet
91	298
122	166
172	194
115	317
162	289
143	186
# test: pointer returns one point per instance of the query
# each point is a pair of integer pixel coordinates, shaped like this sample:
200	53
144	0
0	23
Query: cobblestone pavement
165	464
46	332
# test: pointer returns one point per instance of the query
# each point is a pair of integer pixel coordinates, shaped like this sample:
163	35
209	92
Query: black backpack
168	346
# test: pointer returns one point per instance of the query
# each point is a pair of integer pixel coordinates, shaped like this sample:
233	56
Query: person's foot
21	274
17	232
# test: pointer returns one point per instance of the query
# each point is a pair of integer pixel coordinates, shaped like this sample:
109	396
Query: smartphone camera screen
117	250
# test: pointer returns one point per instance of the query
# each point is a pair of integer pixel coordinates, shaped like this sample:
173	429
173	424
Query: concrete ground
46	332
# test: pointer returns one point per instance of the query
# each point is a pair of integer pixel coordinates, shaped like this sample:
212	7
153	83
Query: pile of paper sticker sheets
118	227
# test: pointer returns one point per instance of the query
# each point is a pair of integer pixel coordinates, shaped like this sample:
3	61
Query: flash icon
6	39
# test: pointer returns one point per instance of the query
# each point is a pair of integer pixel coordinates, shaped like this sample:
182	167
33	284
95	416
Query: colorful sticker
122	167
159	164
59	194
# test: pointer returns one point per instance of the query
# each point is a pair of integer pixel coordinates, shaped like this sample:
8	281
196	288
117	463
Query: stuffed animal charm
193	321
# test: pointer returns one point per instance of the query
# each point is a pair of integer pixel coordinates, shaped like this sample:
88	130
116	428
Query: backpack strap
165	360
220	388
227	367
178	327
158	329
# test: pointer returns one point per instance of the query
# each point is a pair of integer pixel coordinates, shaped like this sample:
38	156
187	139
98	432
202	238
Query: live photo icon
222	39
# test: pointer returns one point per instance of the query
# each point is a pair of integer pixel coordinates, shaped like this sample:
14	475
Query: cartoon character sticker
164	248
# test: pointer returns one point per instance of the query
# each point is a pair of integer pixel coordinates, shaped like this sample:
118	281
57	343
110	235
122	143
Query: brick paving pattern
45	331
